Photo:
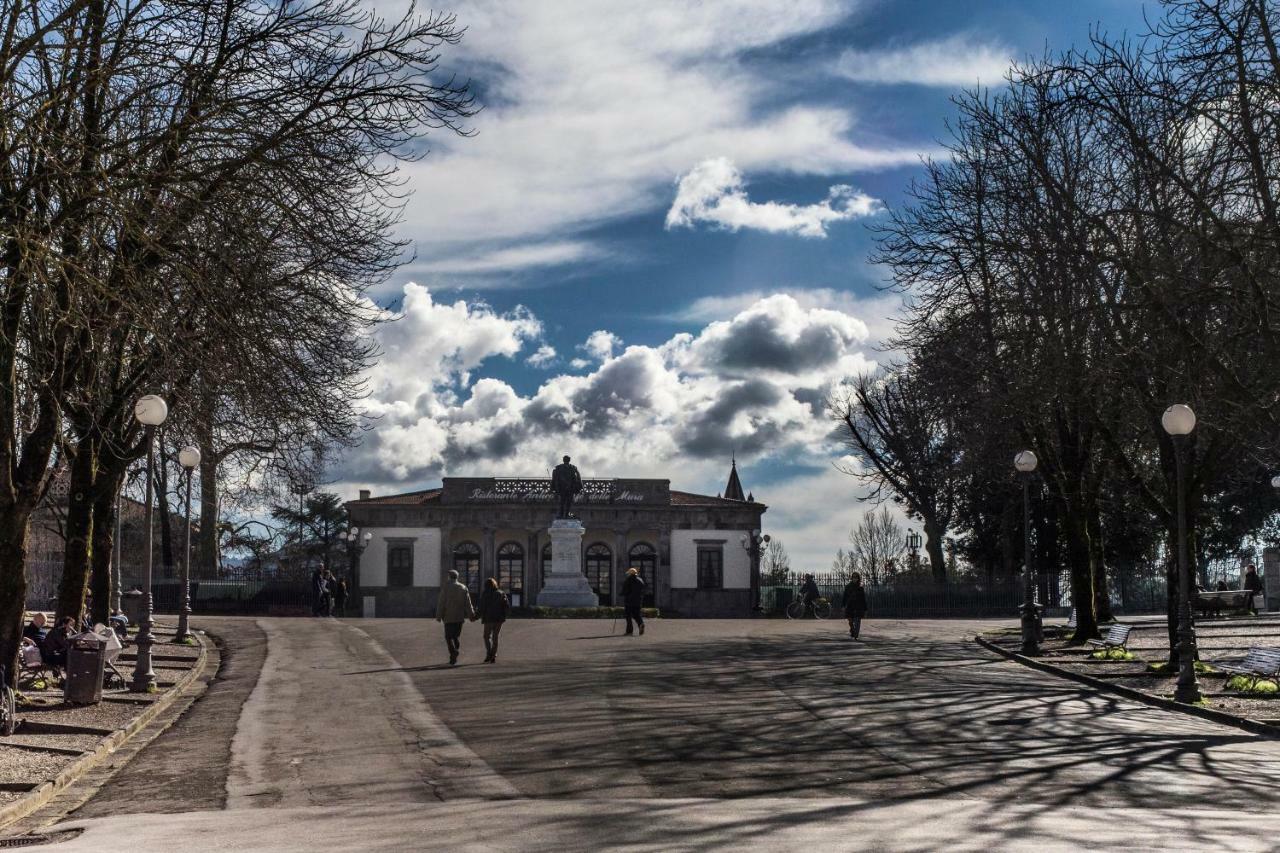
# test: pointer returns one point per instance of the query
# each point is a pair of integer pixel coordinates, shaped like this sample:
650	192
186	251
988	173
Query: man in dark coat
318	591
633	599
1253	583
566	482
340	597
492	611
855	604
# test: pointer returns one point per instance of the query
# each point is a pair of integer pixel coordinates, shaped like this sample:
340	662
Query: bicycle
820	609
8	705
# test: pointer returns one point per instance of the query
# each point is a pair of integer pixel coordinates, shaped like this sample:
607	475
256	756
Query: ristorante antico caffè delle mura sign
539	491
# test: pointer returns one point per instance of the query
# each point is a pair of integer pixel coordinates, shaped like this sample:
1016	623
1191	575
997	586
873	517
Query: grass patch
187	641
1165	668
1112	654
1260	687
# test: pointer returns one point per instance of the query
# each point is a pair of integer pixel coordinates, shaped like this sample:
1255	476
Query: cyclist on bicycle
809	592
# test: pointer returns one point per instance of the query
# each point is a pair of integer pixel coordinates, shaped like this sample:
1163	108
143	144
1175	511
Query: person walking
340	597
492	610
317	592
633	599
326	598
454	608
855	604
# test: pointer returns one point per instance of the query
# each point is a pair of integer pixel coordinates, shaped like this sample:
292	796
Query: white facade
426	555
684	557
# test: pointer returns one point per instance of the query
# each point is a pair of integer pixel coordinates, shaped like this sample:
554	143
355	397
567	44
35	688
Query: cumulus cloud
714	192
752	383
543	357
959	60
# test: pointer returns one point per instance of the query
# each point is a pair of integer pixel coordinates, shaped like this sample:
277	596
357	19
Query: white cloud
600	344
714	192
512	258
878	313
959	60
543	357
635	93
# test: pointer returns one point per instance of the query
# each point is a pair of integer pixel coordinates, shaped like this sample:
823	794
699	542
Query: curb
1226	719
46	791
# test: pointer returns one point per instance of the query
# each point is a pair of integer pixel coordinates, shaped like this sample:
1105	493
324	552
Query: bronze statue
566	483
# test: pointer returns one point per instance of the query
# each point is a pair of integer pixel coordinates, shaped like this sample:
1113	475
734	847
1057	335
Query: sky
652	253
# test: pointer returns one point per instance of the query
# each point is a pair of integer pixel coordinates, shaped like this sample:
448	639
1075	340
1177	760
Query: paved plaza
703	734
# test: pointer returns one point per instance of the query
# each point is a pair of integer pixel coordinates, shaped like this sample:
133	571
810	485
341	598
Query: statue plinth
565	584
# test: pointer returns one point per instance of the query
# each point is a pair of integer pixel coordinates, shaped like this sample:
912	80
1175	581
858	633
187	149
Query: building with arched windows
693	551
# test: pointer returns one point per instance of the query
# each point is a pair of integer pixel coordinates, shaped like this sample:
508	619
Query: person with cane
633	599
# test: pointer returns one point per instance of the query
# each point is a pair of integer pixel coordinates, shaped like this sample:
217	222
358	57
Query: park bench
1117	638
1214	602
1258	663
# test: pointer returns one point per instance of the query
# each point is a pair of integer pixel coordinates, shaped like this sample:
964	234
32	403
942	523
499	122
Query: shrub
1163	668
1244	684
1112	654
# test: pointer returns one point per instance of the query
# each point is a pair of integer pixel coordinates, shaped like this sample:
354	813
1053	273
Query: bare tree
876	546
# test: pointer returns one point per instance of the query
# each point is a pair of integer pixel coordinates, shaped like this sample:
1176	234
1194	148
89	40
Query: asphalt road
699	735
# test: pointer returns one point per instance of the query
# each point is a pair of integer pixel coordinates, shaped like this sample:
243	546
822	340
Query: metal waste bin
131	604
86	660
782	596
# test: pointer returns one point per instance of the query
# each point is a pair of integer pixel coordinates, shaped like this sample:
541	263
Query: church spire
733	491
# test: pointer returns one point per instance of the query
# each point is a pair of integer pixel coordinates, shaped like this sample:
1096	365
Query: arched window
546	562
644	557
598	564
511	571
466	562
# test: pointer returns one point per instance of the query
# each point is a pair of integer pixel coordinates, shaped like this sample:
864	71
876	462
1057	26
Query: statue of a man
566	482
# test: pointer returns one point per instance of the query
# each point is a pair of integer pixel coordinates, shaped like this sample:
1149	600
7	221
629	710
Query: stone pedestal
566	585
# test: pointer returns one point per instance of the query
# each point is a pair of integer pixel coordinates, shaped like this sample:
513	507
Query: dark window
598	563
546	562
644	558
466	562
710	567
511	571
400	565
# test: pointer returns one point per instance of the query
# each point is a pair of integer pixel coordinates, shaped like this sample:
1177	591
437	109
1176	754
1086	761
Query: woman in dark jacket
492	612
855	604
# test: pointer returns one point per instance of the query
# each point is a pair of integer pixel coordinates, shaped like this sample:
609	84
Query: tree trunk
1101	596
1076	527
79	530
207	550
101	580
933	547
162	509
14	527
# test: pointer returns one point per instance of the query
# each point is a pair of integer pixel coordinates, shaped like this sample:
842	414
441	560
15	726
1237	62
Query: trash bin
86	660
131	604
782	597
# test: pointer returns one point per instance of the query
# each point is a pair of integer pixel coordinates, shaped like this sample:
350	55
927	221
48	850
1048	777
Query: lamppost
150	411
1178	421
914	541
1025	463
189	458
356	543
753	543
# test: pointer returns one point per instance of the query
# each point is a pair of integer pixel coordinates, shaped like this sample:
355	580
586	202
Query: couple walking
455	608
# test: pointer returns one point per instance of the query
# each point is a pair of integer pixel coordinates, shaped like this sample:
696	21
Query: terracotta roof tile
690	499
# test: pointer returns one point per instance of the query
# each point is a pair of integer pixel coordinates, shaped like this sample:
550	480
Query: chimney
365	494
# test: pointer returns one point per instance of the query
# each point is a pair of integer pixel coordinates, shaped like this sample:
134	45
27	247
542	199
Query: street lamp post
913	546
753	543
1025	463
1178	421
189	458
356	543
150	411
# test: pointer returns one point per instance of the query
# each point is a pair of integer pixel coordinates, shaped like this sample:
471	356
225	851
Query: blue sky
653	251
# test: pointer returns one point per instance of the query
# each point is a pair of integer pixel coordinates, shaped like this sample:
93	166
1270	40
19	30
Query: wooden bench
1117	638
1214	602
1257	664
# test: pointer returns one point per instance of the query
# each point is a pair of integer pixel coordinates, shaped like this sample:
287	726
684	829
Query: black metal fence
907	601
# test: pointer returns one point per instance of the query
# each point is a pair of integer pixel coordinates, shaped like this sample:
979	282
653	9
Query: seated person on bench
36	629
54	648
